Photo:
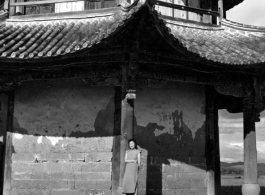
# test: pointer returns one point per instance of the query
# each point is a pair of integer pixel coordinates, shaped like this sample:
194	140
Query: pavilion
75	86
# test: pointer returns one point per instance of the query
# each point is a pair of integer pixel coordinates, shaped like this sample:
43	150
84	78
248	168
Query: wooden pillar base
250	189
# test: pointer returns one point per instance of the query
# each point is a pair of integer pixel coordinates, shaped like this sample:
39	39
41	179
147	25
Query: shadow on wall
236	190
172	158
103	126
53	109
66	127
65	133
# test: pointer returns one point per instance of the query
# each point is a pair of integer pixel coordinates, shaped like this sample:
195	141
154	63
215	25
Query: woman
132	160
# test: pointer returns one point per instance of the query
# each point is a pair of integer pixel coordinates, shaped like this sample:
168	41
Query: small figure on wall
133	161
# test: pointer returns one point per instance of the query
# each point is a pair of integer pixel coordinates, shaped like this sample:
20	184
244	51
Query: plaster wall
63	138
170	130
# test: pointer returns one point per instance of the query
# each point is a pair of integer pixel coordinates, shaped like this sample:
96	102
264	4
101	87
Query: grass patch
236	190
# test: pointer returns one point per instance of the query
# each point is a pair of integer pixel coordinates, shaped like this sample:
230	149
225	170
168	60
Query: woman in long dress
133	161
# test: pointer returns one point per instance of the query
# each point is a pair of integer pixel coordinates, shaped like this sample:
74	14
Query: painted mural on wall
170	129
63	138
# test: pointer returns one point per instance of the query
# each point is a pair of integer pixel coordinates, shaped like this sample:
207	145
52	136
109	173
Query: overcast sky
250	12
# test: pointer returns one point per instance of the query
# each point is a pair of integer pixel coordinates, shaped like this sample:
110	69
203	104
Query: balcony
182	9
32	7
173	9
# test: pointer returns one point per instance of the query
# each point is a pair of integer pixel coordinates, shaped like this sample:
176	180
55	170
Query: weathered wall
63	140
170	129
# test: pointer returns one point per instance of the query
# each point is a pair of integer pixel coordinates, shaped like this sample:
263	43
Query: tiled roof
230	43
24	39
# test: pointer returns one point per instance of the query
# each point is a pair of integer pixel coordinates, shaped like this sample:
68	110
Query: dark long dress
131	173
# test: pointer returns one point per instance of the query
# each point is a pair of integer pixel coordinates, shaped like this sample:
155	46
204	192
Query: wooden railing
45	3
215	17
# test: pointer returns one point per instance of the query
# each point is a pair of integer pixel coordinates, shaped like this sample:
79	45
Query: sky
231	137
250	12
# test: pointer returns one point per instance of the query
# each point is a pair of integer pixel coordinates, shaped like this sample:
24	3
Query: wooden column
212	144
214	7
127	114
127	126
221	9
250	186
115	178
7	110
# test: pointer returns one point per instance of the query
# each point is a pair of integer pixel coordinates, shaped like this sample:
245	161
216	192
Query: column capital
130	94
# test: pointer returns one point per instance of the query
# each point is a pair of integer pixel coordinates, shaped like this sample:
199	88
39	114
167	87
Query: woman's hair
132	140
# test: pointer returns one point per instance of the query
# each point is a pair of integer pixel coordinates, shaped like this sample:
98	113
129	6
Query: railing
49	6
189	13
166	8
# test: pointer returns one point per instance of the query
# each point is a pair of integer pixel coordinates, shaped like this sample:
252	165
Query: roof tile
224	44
40	39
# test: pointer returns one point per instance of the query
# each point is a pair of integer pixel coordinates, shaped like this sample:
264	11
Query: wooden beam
9	107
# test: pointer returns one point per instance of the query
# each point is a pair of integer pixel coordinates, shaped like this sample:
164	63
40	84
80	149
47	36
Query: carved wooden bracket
235	89
249	89
253	97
